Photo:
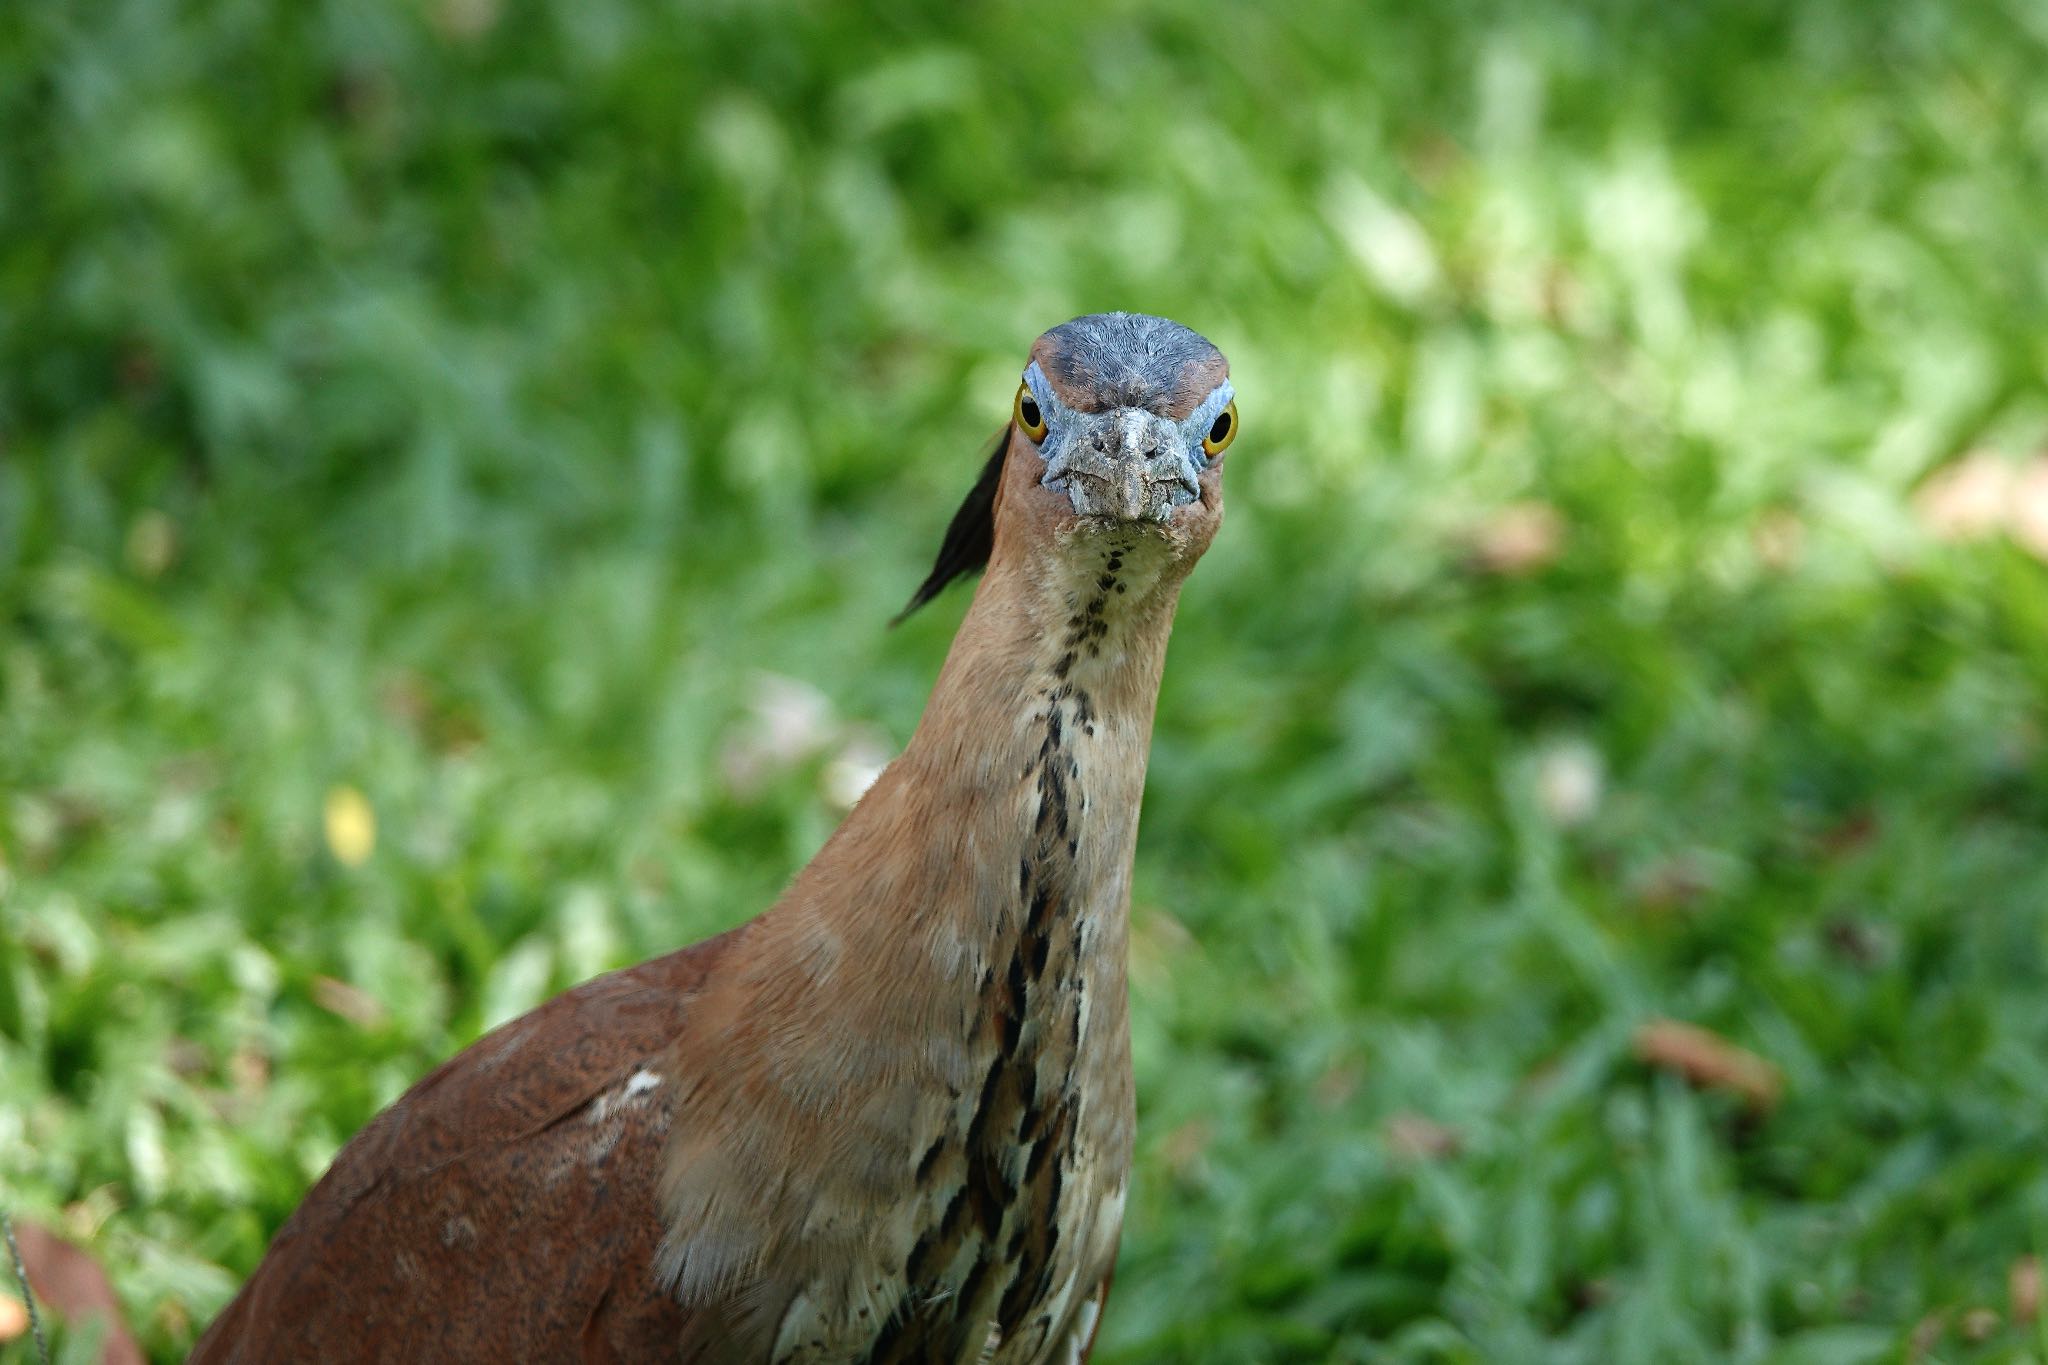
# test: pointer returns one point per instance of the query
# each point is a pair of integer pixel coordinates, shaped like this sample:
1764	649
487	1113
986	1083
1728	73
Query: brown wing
504	1208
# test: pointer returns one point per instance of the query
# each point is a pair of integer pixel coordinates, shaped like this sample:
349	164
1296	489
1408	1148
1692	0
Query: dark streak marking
982	1106
1041	901
1035	1167
886	1343
1020	1286
970	1288
1017	985
1052	788
920	1268
955	1214
989	1192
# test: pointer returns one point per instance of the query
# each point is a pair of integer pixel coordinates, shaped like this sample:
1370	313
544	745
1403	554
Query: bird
891	1118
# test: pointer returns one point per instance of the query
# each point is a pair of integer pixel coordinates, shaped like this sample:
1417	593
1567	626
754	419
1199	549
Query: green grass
466	402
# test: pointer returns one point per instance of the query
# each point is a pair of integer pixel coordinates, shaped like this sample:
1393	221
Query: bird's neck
1013	812
1029	763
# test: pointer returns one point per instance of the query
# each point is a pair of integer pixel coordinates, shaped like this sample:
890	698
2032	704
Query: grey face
1128	462
1125	400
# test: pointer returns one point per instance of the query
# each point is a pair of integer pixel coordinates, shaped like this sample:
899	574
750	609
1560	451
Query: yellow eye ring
1030	418
1222	431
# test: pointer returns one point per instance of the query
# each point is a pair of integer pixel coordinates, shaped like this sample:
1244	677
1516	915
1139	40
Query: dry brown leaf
1978	1324
249	1070
1338	1084
445	726
2023	1288
352	1003
174	1319
1856	941
1417	1138
67	1280
1984	493
1850	835
1780	539
467	20
1672	884
1519	539
2026	517
1706	1059
1966	500
186	1058
404	697
1564	297
152	544
1926	1335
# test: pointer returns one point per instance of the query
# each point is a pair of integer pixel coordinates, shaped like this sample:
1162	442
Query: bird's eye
1029	417
1222	431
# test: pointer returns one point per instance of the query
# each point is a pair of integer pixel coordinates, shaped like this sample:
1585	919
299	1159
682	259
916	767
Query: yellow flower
351	826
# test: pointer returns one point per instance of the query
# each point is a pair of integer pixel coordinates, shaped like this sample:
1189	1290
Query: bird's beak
1127	464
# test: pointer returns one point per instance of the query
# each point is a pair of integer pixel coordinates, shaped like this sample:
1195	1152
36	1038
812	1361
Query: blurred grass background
457	458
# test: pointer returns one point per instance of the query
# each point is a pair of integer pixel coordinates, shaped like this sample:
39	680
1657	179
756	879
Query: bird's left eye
1029	416
1222	431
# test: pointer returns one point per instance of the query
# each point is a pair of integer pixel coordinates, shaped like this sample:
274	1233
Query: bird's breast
1014	1179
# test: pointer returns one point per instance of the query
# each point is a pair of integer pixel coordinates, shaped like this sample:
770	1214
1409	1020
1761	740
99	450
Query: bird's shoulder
532	1072
529	1156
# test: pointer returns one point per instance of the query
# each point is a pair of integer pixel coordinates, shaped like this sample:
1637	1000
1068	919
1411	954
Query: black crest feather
971	535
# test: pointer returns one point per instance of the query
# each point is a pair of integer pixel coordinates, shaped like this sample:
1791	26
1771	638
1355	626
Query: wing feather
504	1208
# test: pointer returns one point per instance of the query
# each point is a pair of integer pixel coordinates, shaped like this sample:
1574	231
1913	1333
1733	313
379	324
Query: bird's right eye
1221	432
1029	416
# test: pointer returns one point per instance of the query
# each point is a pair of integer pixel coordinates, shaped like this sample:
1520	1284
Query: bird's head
1117	431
